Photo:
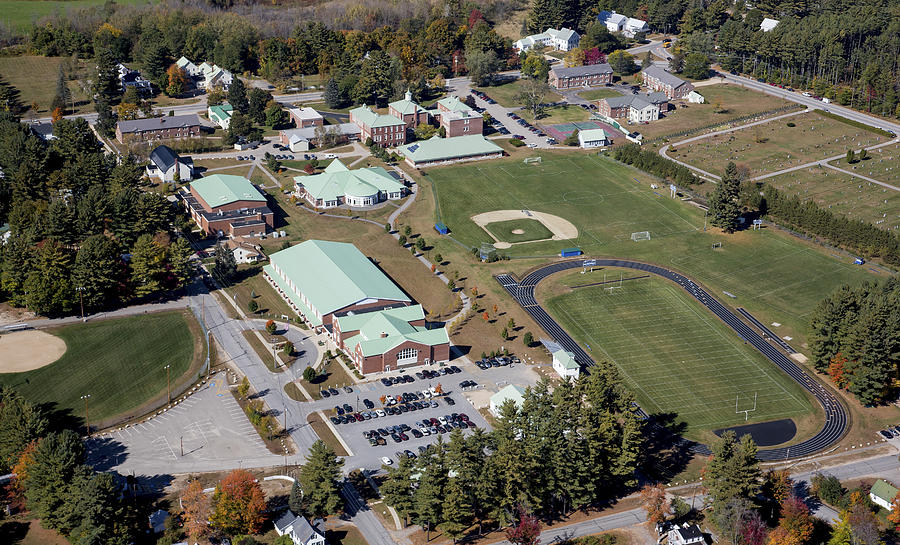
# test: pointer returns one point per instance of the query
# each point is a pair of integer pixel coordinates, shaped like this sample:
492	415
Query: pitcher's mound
518	231
22	351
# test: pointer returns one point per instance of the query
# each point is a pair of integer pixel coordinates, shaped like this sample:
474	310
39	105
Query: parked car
326	393
885	434
449	401
333	391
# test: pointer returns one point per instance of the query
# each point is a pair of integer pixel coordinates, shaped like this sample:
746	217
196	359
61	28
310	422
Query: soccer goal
640	235
529	160
716	245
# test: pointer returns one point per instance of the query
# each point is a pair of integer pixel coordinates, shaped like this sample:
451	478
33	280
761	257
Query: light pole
80	290
87	421
168	383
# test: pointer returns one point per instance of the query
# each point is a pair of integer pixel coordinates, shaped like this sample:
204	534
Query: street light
87	422
80	290
168	383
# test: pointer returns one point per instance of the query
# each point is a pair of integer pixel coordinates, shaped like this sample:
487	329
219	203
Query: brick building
658	79
158	128
458	119
580	76
306	117
227	205
411	113
387	130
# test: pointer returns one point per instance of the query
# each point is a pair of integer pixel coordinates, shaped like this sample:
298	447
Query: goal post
530	160
640	235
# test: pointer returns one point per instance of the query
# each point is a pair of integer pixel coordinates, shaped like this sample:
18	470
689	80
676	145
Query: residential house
245	252
615	22
657	79
564	361
164	163
411	113
688	534
593	138
580	76
306	117
768	24
227	205
563	39
302	139
158	128
437	150
132	78
457	118
299	529
637	108
213	77
882	494
387	130
42	130
157	521
220	114
191	69
633	27
338	185
510	392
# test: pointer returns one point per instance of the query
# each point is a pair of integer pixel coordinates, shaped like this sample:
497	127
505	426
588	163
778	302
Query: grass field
675	355
732	101
19	15
883	164
35	77
775	145
120	363
844	194
597	94
772	274
505	94
531	230
558	114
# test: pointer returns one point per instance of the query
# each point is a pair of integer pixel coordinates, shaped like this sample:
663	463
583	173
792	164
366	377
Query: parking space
501	114
204	430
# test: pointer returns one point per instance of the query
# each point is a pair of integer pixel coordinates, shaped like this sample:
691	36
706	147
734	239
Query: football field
676	357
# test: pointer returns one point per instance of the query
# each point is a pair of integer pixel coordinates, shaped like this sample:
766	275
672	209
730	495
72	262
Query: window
407	353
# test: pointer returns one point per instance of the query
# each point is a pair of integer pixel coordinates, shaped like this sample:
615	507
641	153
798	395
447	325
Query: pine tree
295	501
332	94
63	96
237	96
56	462
455	510
724	208
319	480
733	470
397	488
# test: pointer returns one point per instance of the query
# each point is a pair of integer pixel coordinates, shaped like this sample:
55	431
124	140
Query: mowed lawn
844	194
775	145
674	354
505	94
530	230
120	363
773	275
882	164
597	94
35	77
558	114
21	14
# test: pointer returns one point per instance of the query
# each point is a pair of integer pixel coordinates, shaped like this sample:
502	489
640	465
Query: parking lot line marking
172	452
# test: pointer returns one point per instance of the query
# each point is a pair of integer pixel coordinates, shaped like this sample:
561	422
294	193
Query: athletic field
675	356
120	363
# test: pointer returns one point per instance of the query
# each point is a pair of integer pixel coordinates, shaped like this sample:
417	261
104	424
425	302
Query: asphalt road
836	418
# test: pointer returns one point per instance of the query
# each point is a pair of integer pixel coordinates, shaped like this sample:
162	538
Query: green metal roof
220	111
440	149
406	106
222	189
884	490
333	275
591	135
567	359
379	331
512	391
454	104
294	298
338	180
370	118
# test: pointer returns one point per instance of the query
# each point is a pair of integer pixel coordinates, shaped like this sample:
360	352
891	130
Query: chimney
383	334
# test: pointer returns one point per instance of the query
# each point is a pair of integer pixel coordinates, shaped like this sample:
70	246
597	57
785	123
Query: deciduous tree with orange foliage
837	370
196	511
238	504
655	503
795	526
20	468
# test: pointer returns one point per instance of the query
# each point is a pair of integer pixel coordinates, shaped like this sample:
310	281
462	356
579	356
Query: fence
725	124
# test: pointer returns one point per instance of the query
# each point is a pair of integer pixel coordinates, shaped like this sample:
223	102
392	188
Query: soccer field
120	363
675	356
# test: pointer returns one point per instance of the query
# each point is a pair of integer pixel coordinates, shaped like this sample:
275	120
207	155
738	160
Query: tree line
561	451
652	162
80	228
855	339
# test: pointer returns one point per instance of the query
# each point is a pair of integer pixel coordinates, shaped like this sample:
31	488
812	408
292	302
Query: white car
424	431
330	156
532	145
380	412
806	94
386	461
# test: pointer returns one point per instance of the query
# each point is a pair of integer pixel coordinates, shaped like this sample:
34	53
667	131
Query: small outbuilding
565	365
593	138
883	493
511	392
695	98
299	529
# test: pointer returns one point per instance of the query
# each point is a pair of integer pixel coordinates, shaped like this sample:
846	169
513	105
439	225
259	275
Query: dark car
333	391
449	401
423	449
335	420
338	410
325	393
885	434
403	436
386	382
518	137
416	433
358	417
407	378
409	453
463	416
395	437
368	404
420	375
348	408
348	389
396	380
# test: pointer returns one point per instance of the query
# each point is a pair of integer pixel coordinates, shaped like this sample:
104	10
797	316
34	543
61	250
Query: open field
775	276
776	145
505	94
35	76
597	94
675	356
120	363
19	15
883	164
736	102
843	194
522	230
557	114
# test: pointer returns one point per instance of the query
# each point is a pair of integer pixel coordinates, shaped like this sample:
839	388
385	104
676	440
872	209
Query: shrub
438	258
527	338
252	306
244	387
516	143
288	348
309	374
402	240
271	327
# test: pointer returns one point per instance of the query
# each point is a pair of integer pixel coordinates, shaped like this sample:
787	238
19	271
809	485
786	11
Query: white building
299	529
590	138
563	39
635	26
695	98
511	392
615	22
244	252
564	362
768	24
214	76
164	162
687	535
882	494
191	69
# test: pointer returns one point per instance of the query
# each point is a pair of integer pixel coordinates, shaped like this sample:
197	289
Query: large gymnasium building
335	288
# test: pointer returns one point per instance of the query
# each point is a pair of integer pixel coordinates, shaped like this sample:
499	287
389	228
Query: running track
836	418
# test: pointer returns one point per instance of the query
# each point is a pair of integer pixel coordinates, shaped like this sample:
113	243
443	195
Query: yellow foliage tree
575	57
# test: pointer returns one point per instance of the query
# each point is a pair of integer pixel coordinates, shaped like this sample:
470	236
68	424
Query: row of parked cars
499	361
483	96
334	392
394	406
425	427
890	433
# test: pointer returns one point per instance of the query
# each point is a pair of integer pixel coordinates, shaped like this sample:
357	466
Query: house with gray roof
637	108
338	185
164	163
633	27
563	39
658	79
615	22
158	128
191	69
302	139
299	529
580	76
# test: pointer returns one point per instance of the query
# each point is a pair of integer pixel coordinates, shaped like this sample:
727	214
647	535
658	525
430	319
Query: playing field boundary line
610	281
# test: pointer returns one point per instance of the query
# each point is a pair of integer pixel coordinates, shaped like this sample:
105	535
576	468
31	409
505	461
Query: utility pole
87	421
168	383
80	290
182	445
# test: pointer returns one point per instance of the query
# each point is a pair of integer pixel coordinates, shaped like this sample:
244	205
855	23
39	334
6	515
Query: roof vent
383	334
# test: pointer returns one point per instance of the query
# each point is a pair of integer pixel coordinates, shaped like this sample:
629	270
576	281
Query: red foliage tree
593	56
655	503
795	525
486	316
309	169
238	504
474	17
837	370
527	531
753	530
196	511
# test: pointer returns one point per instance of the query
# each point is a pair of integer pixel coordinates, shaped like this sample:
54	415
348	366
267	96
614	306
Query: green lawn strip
35	77
253	286
558	114
505	94
597	94
773	275
120	363
21	14
533	230
264	352
334	377
675	355
325	434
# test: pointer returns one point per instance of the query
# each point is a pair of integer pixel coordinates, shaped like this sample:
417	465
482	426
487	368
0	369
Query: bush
438	258
288	349
244	387
310	374
271	327
516	143
402	240
791	124
527	338
252	306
